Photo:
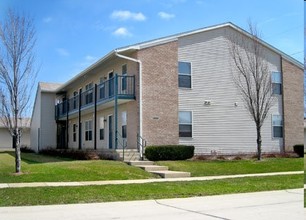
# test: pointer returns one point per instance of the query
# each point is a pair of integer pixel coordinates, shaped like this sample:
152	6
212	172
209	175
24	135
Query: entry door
110	131
111	84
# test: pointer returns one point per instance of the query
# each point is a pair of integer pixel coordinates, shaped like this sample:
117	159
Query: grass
213	168
39	168
89	194
305	170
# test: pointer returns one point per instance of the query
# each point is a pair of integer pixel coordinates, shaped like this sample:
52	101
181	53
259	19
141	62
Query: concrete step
171	174
152	167
141	162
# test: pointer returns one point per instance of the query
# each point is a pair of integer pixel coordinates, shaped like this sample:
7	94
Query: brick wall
293	104
160	94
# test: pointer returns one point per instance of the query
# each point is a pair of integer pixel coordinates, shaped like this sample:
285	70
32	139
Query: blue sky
72	34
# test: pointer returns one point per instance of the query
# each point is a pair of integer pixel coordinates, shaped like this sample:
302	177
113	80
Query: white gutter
140	86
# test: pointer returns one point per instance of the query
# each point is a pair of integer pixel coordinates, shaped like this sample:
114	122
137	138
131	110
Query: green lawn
213	168
305	170
39	168
87	194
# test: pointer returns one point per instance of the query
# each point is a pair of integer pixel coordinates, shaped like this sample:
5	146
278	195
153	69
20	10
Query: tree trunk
258	142
16	144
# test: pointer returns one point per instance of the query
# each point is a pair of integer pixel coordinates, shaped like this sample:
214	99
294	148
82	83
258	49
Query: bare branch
252	76
17	71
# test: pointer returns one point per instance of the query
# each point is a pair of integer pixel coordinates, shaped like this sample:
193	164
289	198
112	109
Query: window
75	99
74	132
276	83
277	124
124	74
185	124
88	93
184	72
102	89
124	116
101	128
88	130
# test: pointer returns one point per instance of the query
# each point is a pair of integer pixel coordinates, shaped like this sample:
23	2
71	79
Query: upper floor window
185	124
124	73
102	88
276	83
184	74
75	99
89	93
277	125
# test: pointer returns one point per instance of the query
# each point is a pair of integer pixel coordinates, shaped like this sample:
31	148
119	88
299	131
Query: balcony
118	87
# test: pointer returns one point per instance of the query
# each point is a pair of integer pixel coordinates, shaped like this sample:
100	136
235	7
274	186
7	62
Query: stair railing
122	143
141	144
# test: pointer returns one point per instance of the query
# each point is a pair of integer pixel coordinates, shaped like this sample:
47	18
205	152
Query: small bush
26	149
299	149
71	153
169	152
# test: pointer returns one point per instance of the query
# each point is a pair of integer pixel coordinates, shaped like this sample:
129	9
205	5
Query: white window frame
272	126
88	128
281	83
74	132
124	122
186	124
191	75
101	126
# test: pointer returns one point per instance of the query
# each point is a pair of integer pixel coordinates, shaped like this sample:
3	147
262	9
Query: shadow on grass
33	158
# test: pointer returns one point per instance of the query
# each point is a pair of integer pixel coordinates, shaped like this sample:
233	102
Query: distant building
6	141
173	90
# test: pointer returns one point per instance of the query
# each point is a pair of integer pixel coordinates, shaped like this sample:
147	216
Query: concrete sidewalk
139	181
280	205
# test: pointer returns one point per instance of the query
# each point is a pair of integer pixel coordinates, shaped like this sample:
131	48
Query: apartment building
173	90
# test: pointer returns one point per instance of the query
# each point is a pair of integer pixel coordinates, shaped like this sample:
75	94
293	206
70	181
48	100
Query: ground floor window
74	132
88	130
277	125
101	128
185	124
124	120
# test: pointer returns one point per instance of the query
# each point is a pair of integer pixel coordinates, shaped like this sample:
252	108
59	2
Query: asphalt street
285	204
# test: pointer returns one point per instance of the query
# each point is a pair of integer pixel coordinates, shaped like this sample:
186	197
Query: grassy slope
212	168
86	194
38	168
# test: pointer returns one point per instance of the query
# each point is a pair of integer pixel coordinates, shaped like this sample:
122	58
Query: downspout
140	86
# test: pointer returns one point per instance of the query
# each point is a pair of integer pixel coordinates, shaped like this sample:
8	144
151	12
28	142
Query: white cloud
90	58
47	19
127	15
62	52
122	31
165	16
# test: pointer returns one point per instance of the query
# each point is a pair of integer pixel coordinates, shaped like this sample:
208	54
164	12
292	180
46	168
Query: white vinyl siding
223	126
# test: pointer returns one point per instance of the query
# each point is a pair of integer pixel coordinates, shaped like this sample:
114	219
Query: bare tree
252	77
17	73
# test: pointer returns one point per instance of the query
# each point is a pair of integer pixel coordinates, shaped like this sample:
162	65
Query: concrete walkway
139	181
279	205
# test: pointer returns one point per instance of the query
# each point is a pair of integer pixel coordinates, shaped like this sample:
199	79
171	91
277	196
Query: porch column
116	111
67	123
80	124
95	117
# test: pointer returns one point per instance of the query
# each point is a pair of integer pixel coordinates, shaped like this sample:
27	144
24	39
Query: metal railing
141	145
124	85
